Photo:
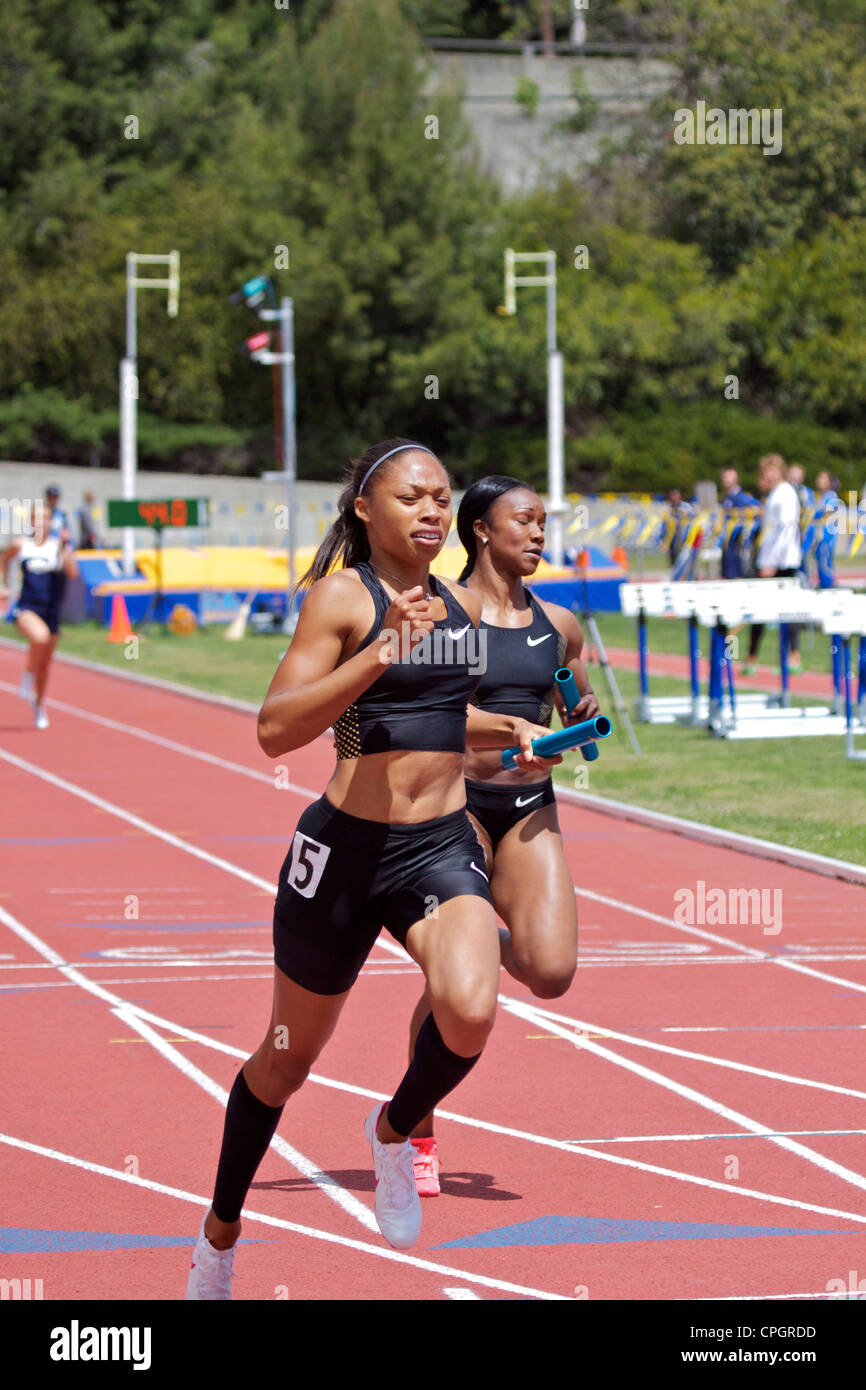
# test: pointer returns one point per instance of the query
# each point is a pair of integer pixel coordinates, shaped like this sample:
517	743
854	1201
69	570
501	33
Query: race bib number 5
307	865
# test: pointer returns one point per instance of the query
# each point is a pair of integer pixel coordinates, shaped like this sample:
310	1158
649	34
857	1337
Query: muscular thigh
533	890
458	950
300	1020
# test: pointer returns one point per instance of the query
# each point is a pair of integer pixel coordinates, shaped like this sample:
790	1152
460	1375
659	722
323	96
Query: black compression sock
433	1072
249	1129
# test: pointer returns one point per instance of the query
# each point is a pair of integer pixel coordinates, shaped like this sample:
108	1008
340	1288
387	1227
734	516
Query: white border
714	835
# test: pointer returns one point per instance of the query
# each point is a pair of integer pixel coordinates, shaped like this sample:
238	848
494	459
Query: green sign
160	511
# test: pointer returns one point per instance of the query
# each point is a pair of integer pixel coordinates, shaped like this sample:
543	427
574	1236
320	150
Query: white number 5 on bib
307	865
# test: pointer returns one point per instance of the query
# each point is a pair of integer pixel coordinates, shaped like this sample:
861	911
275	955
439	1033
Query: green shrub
528	95
587	105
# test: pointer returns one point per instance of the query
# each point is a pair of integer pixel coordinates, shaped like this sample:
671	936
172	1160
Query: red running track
670	1129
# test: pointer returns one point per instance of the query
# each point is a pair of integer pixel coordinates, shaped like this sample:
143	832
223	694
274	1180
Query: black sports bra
521	662
418	703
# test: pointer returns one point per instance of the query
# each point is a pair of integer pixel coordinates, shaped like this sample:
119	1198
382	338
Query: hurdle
682	599
844	618
777	719
719	606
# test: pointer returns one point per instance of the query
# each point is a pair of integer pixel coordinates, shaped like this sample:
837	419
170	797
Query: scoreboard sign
160	511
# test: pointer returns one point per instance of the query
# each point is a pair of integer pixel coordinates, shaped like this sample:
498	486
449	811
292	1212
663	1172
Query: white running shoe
210	1274
397	1205
25	689
40	718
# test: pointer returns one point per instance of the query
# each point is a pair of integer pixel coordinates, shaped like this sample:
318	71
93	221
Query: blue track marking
23	1240
593	1230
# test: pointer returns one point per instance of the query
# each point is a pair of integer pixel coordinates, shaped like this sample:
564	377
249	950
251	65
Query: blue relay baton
575	736
564	678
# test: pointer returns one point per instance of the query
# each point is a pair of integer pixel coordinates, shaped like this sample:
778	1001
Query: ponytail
346	540
477	501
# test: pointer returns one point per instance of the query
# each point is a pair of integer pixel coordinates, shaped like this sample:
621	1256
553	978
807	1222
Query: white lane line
134	731
228	867
613	1035
137	732
188	692
818	1160
127	1011
140	824
381	1252
460	1294
737	1134
665	961
152	963
564	1145
728	942
716	836
344	1199
762	1297
135	982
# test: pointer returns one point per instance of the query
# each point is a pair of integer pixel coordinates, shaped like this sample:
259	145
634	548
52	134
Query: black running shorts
344	878
498	807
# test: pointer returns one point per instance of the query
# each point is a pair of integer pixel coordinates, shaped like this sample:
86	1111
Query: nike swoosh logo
455	635
518	802
480	871
534	641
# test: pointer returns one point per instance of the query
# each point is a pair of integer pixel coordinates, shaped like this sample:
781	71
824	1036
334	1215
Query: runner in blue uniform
501	524
47	560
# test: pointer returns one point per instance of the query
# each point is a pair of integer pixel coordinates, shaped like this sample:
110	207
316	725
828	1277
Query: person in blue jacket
827	524
734	497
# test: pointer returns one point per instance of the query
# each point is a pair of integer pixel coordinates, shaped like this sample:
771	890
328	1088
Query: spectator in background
735	563
682	513
827	517
90	538
797	479
57	527
57	519
779	553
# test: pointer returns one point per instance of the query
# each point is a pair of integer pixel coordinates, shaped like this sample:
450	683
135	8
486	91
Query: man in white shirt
779	554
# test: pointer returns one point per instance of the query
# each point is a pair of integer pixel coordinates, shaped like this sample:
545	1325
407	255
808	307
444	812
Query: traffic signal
256	345
254	292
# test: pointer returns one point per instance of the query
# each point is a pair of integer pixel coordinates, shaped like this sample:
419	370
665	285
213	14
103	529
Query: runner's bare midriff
404	787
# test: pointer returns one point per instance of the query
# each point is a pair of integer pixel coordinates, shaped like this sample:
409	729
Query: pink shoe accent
426	1166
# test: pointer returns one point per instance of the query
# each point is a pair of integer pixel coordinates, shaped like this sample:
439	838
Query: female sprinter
45	560
389	836
501	524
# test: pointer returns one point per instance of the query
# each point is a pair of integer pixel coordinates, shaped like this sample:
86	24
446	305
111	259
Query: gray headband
387	456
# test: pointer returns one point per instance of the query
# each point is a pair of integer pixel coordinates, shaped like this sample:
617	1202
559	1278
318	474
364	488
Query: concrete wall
524	152
242	509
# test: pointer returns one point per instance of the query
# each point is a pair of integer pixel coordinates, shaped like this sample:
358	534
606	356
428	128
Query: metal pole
289	449
128	393
128	412
555	422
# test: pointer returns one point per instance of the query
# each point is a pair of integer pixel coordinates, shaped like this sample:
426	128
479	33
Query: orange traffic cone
620	557
120	625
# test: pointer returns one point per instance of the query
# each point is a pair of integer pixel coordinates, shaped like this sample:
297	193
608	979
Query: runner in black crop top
389	843
501	524
521	662
419	702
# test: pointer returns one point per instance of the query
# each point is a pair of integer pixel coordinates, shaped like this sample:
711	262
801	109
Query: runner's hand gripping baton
580	736
564	678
